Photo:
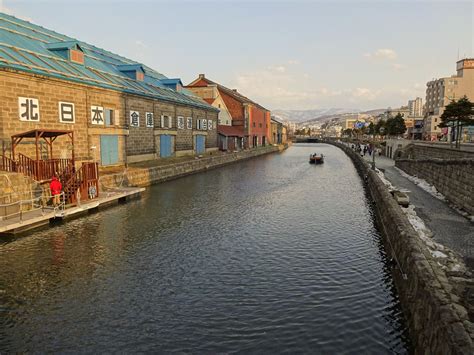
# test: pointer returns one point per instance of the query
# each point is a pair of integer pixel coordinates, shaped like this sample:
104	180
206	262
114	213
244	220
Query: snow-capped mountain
299	116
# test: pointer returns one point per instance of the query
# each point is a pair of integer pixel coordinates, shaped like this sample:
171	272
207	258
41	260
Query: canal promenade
447	225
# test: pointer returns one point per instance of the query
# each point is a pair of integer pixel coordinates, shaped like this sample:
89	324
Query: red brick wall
259	124
235	107
201	82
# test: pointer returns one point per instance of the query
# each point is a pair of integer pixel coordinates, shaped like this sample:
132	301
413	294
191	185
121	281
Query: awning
230	131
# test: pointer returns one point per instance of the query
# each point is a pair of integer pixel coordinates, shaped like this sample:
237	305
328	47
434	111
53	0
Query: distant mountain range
299	116
319	116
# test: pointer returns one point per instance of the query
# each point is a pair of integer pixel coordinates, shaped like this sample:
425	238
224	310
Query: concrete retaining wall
454	178
435	301
154	175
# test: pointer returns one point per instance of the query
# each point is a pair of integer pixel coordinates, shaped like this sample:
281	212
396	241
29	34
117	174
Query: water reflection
270	255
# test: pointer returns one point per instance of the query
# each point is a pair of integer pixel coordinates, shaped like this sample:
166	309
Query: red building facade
250	122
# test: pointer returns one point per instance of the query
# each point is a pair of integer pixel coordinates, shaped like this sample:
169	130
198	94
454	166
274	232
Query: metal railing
33	204
42	169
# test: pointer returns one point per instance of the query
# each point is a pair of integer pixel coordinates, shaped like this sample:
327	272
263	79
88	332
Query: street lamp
381	130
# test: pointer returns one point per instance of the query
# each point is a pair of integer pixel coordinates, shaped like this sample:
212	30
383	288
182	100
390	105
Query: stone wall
437	302
134	143
428	151
154	175
454	178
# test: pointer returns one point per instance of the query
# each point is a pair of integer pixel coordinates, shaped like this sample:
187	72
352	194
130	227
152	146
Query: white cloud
140	43
398	66
383	54
365	94
9	11
277	68
4	9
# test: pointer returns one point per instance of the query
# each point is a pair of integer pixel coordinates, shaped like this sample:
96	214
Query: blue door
200	144
109	149
165	145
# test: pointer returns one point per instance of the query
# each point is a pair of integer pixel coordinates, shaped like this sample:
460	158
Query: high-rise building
440	92
415	107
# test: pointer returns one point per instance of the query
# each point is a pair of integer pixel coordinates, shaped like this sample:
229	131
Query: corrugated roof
234	93
34	49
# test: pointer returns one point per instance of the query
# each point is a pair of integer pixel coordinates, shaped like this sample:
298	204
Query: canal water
270	255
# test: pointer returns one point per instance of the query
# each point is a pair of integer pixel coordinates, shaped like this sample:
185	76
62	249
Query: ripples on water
272	255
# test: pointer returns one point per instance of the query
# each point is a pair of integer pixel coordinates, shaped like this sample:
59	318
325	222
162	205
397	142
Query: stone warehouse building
243	123
119	110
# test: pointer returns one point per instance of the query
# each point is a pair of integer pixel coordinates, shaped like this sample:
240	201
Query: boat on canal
316	159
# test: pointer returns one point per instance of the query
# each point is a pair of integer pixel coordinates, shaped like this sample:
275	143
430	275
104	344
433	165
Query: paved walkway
448	226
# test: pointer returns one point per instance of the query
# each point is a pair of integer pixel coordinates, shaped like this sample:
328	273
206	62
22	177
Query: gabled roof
63	45
210	101
31	48
234	93
131	67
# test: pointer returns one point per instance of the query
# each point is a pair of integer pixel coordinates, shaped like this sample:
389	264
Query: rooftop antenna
458	53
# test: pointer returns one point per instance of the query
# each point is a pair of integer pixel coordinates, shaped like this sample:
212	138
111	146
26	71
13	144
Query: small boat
316	159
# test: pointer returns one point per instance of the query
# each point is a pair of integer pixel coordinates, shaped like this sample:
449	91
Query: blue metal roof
34	49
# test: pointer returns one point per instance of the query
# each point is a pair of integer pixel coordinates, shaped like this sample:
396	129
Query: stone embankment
429	151
451	171
454	178
436	296
153	175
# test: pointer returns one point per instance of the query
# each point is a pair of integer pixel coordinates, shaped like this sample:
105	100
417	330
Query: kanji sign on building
28	109
209	125
149	119
134	119
66	112
97	115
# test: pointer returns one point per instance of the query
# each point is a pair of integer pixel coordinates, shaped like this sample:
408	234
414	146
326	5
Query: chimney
201	76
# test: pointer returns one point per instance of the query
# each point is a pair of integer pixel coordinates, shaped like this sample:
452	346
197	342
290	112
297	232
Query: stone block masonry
149	176
437	302
426	151
454	178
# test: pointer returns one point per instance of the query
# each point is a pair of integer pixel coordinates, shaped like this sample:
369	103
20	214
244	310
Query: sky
282	54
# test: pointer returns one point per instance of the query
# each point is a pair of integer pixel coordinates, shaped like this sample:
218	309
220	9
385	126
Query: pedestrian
55	188
365	149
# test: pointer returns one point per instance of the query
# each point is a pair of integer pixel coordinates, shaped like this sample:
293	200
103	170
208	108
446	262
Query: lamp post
373	147
381	130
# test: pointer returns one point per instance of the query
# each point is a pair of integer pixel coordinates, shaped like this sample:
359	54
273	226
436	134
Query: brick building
119	110
249	121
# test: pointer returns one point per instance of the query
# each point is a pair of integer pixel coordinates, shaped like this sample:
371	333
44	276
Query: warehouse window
109	117
76	56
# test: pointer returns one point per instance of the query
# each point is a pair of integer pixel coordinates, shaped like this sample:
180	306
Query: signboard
97	115
134	119
28	109
66	112
149	119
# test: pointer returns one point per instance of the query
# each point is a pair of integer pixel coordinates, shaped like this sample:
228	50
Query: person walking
55	186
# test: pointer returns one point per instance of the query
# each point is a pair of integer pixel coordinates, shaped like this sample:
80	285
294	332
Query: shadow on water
270	255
